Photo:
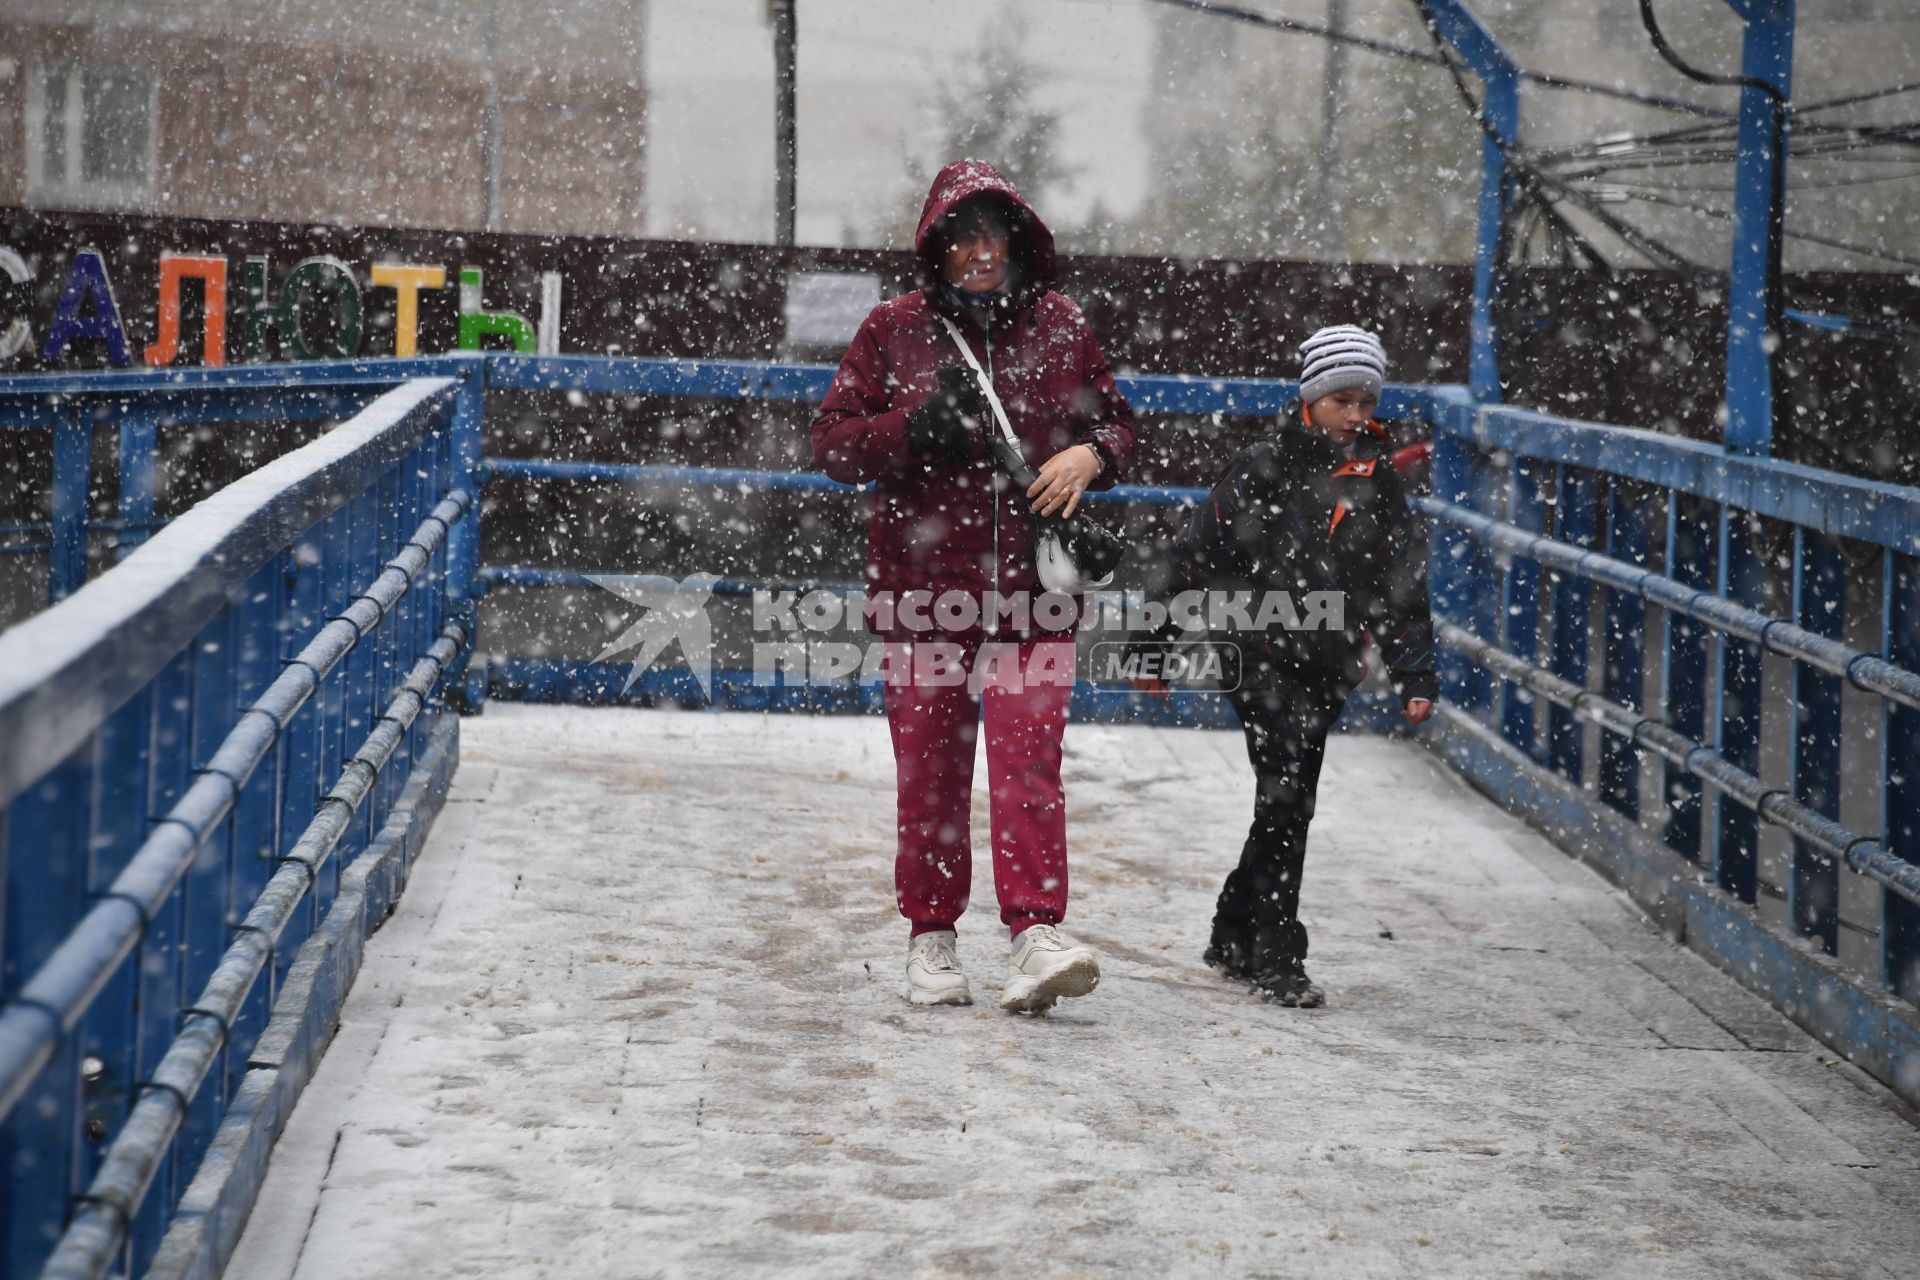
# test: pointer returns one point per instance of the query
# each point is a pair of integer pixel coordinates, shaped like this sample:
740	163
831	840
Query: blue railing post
1572	609
204	888
1819	605
139	447
162	973
359	673
1683	675
463	547
1624	619
469	441
1460	577
110	1033
1900	775
48	831
299	751
1500	110
1759	186
1735	829
41	1140
254	824
72	475
390	664
1520	598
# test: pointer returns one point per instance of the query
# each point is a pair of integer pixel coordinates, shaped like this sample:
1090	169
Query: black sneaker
1229	952
1227	960
1289	985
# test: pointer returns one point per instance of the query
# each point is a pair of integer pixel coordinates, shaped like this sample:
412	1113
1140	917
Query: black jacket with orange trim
1296	514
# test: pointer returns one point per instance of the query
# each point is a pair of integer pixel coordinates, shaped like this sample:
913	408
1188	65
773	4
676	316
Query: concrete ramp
639	1015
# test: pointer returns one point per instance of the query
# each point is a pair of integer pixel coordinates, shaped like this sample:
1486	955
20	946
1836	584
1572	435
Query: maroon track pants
1024	688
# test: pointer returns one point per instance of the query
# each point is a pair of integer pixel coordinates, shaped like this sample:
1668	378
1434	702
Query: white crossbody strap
986	383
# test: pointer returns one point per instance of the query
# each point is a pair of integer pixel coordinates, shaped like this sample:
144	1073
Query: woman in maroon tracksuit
951	571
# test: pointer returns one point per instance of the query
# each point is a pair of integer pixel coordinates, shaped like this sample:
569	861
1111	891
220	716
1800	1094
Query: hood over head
1030	248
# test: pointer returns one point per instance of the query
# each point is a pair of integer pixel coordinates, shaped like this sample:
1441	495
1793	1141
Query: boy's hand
1418	709
1152	686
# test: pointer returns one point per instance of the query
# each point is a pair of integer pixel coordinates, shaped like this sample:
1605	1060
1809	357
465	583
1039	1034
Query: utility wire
1726	215
1906	135
1612	145
1618	144
1829	103
1530	178
1800	184
1272	22
1648	245
1526	177
1651	247
1772	291
1810	151
1692	72
1406	53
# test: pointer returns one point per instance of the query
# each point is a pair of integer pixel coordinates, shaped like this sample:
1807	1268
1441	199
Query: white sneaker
933	970
1044	967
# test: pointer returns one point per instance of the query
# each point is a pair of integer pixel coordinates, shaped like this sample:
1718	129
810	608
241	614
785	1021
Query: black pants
1256	922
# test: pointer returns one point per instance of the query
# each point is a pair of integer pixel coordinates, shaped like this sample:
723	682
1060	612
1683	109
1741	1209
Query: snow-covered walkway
638	1015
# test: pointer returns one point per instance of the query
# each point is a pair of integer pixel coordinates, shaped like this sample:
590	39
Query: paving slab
639	1015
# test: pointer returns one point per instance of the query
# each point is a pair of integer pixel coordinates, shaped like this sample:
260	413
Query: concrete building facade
480	116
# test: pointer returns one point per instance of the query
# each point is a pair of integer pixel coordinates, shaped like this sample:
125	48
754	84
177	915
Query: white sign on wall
824	309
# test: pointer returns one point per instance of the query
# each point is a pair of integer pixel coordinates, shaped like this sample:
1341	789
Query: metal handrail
87	1250
1865	671
1865	855
54	692
51	1003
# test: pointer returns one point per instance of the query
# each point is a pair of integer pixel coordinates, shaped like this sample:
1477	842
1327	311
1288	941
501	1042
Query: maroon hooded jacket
938	529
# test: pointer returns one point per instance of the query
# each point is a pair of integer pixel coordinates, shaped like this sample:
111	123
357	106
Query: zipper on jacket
993	587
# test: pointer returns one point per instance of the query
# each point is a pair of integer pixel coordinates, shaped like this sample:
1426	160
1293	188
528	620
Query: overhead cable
1405	53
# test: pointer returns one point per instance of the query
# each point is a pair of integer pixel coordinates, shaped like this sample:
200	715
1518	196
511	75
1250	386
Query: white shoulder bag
1056	541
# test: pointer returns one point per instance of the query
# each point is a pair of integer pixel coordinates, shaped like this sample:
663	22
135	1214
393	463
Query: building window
90	130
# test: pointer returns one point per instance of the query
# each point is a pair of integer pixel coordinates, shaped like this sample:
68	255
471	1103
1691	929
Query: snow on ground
638	1015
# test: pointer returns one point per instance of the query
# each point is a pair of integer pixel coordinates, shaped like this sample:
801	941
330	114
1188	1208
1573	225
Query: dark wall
640	297
1647	349
1641	349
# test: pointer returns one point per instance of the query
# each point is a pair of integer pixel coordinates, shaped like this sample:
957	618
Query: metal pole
1460	27
72	468
1333	138
785	146
1759	212
490	125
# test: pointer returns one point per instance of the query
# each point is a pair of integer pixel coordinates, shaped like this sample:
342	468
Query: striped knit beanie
1340	357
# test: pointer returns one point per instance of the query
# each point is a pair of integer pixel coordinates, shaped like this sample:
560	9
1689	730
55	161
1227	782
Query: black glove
941	430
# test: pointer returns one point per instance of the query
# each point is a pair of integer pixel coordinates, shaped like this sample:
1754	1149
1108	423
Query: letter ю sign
236	322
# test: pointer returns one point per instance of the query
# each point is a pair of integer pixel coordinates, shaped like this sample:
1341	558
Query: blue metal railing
170	730
1534	514
78	404
573	680
1556	542
177	816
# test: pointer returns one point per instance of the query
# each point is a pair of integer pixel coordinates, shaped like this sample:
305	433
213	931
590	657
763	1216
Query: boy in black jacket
1316	512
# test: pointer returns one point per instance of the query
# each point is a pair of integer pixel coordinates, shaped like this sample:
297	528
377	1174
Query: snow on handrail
63	671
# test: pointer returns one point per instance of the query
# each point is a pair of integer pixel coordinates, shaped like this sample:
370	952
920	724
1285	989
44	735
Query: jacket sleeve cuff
1418	684
1109	463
